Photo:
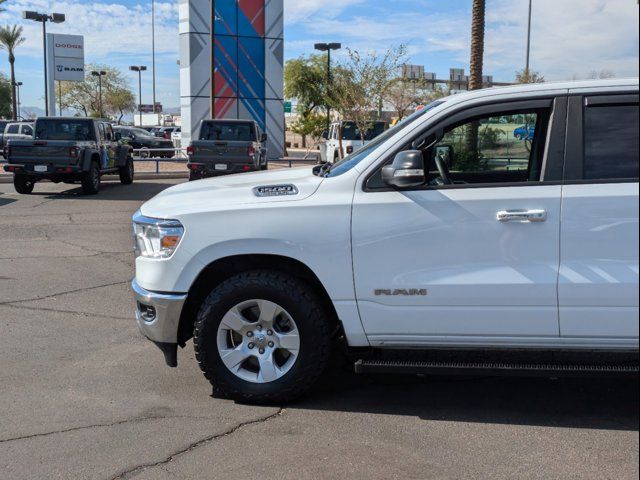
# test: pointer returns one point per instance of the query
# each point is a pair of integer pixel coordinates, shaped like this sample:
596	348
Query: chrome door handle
522	216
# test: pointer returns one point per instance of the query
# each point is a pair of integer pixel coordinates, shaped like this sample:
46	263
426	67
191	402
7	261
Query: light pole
139	69
528	38
44	18
153	51
99	74
327	47
18	85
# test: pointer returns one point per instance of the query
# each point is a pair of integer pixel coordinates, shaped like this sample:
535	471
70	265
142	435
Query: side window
611	142
501	148
27	130
101	131
13	128
109	131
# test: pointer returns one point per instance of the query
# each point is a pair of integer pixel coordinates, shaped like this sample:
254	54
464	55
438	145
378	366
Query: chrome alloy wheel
258	341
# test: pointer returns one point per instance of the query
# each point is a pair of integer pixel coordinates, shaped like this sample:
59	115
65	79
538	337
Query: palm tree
475	70
10	38
477	45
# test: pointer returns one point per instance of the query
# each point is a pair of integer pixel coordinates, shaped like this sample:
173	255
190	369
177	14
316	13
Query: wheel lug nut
261	351
250	334
271	344
269	332
252	346
259	328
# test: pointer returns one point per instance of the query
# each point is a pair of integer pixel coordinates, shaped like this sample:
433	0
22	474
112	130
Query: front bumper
158	315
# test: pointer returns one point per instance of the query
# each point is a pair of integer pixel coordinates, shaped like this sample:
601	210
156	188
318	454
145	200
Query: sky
570	38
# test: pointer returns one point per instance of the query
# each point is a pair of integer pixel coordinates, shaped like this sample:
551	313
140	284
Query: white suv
452	231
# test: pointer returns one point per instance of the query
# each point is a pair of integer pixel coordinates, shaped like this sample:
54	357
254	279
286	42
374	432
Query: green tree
310	125
5	96
528	76
83	97
360	82
10	38
403	94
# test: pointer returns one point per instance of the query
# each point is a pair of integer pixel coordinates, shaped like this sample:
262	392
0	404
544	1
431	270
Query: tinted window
228	132
64	130
27	130
611	142
101	131
350	131
13	128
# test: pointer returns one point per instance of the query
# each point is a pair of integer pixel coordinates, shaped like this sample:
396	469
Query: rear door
598	282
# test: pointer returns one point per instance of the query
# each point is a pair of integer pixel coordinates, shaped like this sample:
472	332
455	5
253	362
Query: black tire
265	166
127	172
300	301
193	176
91	179
23	183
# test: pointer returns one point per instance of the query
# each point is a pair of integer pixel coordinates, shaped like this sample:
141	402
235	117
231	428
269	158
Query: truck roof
221	120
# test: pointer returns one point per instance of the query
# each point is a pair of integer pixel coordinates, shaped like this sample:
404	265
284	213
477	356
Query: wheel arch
224	268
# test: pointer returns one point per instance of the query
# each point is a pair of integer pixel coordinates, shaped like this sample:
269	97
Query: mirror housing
407	170
263	138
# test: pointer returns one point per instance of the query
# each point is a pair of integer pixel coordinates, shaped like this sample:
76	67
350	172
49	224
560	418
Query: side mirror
118	136
407	170
263	138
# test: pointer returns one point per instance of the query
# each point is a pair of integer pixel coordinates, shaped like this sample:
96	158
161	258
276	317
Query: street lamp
44	18
99	74
327	47
139	69
528	39
18	85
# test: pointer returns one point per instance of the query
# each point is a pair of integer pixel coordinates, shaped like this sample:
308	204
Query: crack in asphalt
73	312
104	425
132	472
84	289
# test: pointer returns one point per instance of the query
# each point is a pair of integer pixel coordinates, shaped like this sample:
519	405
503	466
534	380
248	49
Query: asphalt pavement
83	396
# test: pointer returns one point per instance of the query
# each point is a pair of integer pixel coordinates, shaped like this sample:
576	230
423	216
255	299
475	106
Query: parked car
165	132
68	150
16	131
3	123
145	144
416	252
351	138
525	132
227	146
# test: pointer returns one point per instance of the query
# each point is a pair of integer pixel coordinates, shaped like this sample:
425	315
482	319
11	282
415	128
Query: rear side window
611	142
228	132
77	130
13	129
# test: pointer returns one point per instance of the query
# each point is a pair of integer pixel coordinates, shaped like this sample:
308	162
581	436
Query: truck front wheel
262	337
127	172
23	184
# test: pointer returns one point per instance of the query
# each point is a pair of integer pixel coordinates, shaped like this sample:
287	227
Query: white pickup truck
351	138
446	234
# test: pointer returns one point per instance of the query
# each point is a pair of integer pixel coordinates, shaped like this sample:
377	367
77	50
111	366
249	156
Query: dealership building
231	65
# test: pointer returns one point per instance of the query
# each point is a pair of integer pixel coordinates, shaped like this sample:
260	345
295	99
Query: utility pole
327	47
99	74
153	51
528	38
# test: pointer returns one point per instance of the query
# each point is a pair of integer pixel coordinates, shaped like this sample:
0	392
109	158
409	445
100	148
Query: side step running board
492	369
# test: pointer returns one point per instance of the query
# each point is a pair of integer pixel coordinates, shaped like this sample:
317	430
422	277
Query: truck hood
223	192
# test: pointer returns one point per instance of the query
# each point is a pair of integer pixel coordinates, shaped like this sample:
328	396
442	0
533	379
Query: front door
474	253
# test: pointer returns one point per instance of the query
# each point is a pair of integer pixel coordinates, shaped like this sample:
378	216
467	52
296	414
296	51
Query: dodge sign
68	57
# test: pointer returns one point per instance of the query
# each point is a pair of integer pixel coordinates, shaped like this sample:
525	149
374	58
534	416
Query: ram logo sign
411	292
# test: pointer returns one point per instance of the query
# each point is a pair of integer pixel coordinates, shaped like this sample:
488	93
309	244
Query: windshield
75	130
347	163
350	131
229	132
139	132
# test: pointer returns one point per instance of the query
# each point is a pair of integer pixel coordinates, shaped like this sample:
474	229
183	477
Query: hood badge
275	190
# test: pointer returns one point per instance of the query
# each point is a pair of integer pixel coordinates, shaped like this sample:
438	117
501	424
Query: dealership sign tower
231	65
65	62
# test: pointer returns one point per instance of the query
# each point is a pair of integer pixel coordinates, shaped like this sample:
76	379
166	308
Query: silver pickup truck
68	150
227	146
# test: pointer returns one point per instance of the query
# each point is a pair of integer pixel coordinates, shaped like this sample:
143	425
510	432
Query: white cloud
299	10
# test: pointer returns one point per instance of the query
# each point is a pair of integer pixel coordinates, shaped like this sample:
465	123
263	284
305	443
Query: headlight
156	238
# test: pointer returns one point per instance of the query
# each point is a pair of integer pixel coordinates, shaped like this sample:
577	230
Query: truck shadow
596	403
111	191
6	201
